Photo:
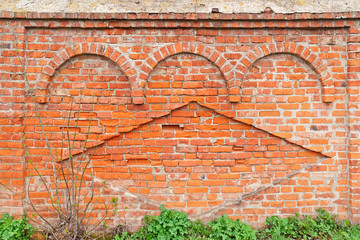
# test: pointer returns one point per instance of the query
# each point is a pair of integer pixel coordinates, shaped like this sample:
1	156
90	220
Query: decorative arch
298	50
199	49
41	95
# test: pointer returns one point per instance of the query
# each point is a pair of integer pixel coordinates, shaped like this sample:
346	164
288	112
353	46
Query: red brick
156	142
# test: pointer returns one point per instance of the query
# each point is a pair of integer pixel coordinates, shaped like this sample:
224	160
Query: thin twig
41	178
20	197
41	124
36	211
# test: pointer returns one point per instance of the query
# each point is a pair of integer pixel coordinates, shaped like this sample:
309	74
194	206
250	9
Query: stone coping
268	14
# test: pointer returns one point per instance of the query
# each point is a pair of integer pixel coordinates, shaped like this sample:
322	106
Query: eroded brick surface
203	113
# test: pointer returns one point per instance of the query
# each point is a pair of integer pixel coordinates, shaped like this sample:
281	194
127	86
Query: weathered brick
293	88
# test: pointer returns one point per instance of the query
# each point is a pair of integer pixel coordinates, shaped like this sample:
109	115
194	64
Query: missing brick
238	148
172	128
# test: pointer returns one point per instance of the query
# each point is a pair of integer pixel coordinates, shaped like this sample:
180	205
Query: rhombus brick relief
245	114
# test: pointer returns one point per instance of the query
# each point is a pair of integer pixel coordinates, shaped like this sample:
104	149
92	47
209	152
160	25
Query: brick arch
64	55
298	50
199	49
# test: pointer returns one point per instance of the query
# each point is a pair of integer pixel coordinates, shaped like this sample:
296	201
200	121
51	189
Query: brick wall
245	114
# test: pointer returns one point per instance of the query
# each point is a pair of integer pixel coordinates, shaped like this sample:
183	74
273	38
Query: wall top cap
168	6
266	15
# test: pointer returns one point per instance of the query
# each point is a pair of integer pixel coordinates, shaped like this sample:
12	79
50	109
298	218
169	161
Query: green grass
175	225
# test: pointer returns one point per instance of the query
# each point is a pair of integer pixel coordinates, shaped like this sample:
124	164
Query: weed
11	229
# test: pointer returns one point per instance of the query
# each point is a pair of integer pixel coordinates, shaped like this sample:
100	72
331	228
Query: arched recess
42	92
199	49
291	48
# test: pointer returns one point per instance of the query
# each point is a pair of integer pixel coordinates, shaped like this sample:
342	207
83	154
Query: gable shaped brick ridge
155	115
144	161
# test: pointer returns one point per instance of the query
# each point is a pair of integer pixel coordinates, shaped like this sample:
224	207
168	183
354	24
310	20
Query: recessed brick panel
206	113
